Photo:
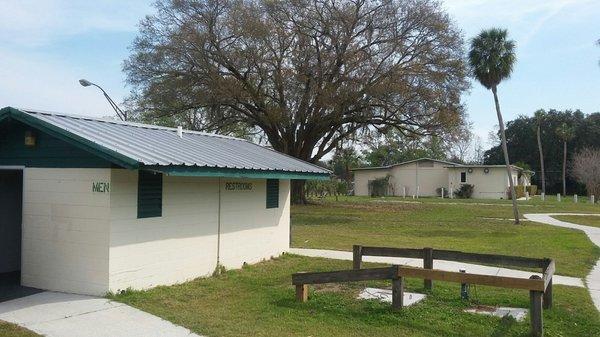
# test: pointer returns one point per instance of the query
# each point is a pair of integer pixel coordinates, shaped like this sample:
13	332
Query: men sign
100	187
238	186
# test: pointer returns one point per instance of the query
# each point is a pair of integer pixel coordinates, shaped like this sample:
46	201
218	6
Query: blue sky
47	45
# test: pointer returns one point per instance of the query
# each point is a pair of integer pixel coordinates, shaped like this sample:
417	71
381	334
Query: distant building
425	176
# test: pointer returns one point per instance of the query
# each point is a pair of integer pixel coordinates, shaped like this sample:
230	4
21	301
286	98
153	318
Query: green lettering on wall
101	187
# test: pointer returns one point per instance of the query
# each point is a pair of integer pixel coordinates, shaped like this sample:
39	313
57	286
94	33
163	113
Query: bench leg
397	293
548	296
535	313
302	292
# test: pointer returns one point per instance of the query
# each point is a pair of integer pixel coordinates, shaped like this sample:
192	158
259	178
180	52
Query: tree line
573	128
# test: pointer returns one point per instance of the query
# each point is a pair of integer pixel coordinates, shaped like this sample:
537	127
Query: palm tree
539	117
565	133
492	57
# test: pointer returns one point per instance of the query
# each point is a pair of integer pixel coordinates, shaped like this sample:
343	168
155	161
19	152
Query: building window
463	177
272	193
150	189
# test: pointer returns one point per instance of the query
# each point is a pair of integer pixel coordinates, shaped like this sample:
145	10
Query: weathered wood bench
540	288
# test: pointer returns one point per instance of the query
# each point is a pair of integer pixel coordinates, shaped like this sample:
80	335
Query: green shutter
150	186
272	193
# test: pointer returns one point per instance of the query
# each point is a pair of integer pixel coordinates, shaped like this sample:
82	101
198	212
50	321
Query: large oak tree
305	74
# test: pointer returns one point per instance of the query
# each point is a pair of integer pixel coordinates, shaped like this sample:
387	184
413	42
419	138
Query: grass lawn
258	300
482	226
12	330
586	220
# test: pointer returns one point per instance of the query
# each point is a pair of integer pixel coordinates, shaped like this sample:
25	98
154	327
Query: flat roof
403	163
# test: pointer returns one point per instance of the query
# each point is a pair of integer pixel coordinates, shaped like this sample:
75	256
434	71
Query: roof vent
180	131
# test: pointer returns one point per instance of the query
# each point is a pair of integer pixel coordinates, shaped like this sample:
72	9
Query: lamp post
122	115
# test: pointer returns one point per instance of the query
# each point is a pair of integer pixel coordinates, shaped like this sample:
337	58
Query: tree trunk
539	141
564	169
298	192
505	150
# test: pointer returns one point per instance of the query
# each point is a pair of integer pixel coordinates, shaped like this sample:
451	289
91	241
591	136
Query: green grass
258	300
483	226
12	330
586	220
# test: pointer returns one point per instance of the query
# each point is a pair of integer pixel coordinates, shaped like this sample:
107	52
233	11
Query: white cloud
32	23
38	83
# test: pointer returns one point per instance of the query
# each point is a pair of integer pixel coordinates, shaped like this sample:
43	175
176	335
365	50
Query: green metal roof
141	146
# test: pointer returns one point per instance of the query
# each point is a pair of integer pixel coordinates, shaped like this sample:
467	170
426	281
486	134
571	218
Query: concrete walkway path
66	315
437	264
593	279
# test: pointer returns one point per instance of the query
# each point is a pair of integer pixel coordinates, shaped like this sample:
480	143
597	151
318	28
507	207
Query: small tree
565	132
539	118
585	168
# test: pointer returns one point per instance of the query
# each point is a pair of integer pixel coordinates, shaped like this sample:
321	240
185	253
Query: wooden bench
540	288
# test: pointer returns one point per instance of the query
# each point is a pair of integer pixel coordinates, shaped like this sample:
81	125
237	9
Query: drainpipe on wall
219	228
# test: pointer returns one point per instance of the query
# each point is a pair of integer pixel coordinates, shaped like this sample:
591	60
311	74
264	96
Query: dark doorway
11	207
11	203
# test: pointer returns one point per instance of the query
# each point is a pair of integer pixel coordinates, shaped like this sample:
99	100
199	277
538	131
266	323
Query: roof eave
203	171
69	137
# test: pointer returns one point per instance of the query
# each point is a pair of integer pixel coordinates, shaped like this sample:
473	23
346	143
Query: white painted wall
79	241
182	244
407	176
492	185
362	178
65	230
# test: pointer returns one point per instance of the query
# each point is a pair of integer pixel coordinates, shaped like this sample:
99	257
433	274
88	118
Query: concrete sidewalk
437	264
593	233
66	315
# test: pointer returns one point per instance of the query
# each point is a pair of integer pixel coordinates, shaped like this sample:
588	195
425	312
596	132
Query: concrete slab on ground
518	314
55	314
385	295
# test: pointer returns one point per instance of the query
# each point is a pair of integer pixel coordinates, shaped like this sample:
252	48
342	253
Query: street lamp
120	113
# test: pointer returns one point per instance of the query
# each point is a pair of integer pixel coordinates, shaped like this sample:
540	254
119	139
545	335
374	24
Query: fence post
575	198
548	296
442	193
592	199
302	292
427	264
558	197
356	257
397	290
536	310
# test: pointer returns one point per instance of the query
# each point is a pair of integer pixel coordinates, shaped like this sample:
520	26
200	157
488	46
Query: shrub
520	190
379	187
532	189
439	191
465	191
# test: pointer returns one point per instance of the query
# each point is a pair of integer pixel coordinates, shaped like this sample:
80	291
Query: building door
11	203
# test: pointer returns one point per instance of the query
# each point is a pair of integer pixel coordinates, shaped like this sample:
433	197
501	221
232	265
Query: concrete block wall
182	244
65	230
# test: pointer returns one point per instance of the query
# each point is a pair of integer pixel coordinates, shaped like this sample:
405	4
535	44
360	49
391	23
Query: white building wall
182	244
249	231
416	175
405	178
362	178
491	185
65	230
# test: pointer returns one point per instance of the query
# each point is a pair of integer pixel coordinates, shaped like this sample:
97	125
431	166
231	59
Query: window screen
463	177
150	186
272	193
